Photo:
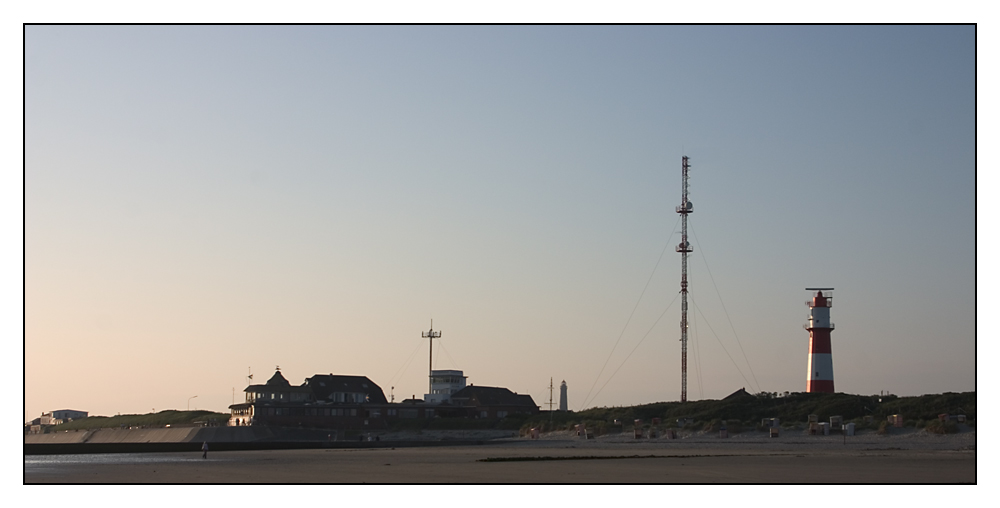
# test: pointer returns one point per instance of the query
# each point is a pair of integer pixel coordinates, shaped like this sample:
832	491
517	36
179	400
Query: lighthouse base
820	386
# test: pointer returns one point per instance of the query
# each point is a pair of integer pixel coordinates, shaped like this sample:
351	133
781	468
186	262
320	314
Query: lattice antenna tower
684	248
550	400
431	335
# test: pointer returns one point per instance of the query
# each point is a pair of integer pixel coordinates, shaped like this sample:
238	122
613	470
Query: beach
907	456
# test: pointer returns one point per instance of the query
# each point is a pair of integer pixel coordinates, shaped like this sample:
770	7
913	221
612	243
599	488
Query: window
354	412
501	414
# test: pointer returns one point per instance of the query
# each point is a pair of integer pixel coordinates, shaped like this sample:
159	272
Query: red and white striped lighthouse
820	377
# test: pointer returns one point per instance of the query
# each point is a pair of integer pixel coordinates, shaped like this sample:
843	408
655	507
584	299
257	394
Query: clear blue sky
203	199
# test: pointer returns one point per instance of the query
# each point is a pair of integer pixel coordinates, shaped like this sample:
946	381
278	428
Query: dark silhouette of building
492	402
357	403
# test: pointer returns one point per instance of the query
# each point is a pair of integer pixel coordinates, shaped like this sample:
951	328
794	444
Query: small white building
68	414
54	418
443	384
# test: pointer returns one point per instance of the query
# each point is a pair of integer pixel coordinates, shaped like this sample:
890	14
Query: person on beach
204	450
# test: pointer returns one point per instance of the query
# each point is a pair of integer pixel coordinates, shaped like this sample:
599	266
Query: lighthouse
820	376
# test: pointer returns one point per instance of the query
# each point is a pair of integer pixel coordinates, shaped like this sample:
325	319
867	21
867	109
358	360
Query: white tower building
443	384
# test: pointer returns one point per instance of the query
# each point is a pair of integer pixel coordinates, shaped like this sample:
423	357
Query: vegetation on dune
747	411
939	427
740	413
161	419
928	407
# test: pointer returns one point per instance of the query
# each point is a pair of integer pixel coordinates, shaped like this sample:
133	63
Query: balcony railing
809	325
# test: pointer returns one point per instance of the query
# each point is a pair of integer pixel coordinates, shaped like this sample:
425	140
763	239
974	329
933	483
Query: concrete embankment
223	439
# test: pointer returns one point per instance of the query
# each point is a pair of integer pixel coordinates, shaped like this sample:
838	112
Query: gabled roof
323	385
741	393
492	396
526	400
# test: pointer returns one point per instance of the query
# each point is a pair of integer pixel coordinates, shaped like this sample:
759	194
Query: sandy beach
908	456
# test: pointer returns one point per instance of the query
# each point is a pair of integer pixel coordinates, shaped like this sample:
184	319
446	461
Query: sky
204	200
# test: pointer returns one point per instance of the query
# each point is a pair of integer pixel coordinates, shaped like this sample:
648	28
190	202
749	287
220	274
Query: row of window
348	397
311	411
298	397
412	413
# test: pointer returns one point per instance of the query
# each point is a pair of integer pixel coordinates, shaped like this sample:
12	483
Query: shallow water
55	464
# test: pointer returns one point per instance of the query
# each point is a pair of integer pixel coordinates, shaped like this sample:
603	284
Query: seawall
219	439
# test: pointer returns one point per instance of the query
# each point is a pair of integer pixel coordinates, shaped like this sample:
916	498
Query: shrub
883	428
939	427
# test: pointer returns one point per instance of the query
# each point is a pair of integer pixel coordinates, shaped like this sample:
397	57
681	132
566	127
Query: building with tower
322	400
330	401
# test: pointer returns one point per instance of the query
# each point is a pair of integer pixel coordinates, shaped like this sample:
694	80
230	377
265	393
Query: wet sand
555	459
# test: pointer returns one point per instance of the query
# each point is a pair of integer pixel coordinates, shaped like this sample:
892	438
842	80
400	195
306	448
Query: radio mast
684	248
431	335
550	400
